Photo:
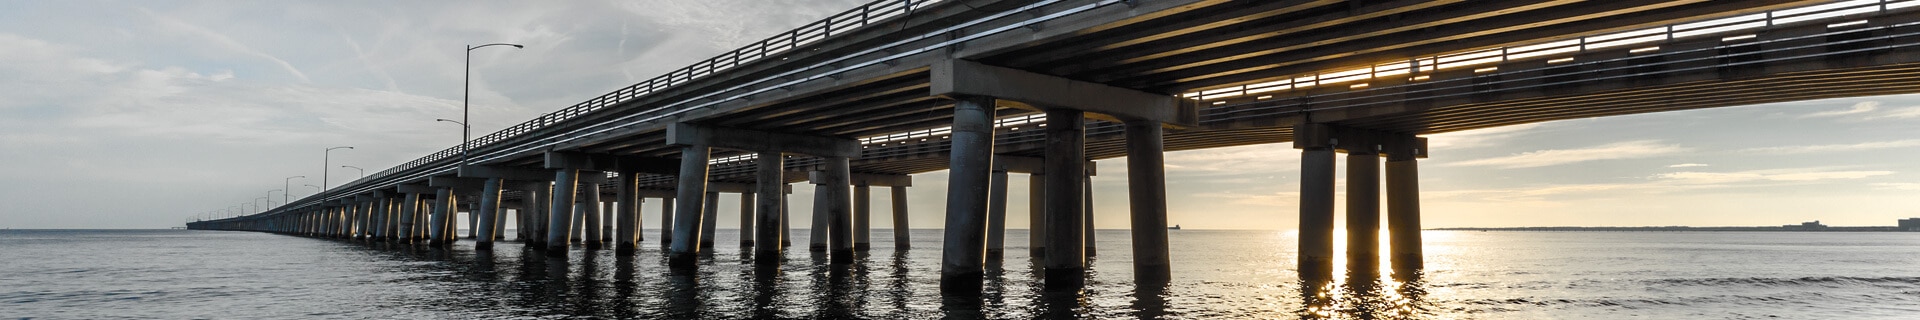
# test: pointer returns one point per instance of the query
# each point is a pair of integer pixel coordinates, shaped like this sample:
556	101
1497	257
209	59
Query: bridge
985	88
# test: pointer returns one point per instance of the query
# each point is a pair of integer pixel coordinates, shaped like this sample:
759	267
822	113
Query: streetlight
363	172
283	192
286	190
316	189
466	83
324	167
463	139
257	207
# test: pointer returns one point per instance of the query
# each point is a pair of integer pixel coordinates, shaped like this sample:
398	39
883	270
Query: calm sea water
179	274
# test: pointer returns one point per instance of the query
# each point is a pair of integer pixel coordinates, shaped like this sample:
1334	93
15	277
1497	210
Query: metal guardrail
1485	57
885	9
808	34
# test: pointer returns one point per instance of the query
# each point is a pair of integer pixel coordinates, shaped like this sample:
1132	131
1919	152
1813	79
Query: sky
124	114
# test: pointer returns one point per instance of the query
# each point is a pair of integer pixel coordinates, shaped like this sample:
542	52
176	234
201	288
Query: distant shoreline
1683	228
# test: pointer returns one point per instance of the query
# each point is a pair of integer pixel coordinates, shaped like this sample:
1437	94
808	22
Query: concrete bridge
985	88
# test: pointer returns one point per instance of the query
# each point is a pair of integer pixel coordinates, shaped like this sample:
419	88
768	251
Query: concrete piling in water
1316	214
560	211
817	242
963	250
692	192
770	205
997	214
590	208
1036	215
1403	211
1363	212
839	211
666	222
1065	217
862	216
489	210
710	216
1147	201
437	223
902	236
627	236
746	220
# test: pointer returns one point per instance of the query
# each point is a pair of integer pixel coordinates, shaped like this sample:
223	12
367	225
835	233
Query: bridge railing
814	32
1487	57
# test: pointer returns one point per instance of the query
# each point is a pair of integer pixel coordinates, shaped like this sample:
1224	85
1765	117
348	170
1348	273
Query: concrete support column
1363	212
626	213
862	217
538	216
997	215
473	223
1036	215
607	222
1066	219
1087	216
839	205
963	253
578	216
771	207
746	220
437	230
592	215
560	211
1403	212
692	194
901	236
380	218
488	209
666	222
708	219
786	214
1147	199
817	241
1316	214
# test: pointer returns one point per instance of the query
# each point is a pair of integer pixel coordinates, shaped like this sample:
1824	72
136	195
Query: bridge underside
1256	72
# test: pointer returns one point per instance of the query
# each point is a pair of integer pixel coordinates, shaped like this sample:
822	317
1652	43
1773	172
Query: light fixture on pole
324	167
363	172
316	189
463	140
466	84
287	190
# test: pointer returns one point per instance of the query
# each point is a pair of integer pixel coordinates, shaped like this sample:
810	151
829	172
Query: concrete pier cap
1021	89
1348	139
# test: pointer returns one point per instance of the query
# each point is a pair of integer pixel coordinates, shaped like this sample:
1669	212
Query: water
178	274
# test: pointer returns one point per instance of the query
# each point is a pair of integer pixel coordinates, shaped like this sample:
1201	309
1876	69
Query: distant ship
1174	227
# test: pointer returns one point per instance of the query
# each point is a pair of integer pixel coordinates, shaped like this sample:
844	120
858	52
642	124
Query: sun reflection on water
1363	292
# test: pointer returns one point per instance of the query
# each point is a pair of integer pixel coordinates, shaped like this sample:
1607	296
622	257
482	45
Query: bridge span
985	88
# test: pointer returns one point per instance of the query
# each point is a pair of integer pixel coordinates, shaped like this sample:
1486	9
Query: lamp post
324	166
463	139
257	207
287	190
316	189
363	172
466	84
270	195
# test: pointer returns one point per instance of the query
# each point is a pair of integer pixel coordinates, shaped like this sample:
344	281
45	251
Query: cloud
1687	165
1612	151
1901	113
1825	148
1858	108
222	41
1478	138
1669	183
1897	186
1795	175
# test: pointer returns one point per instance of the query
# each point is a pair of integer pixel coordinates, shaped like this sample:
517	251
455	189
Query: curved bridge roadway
898	87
